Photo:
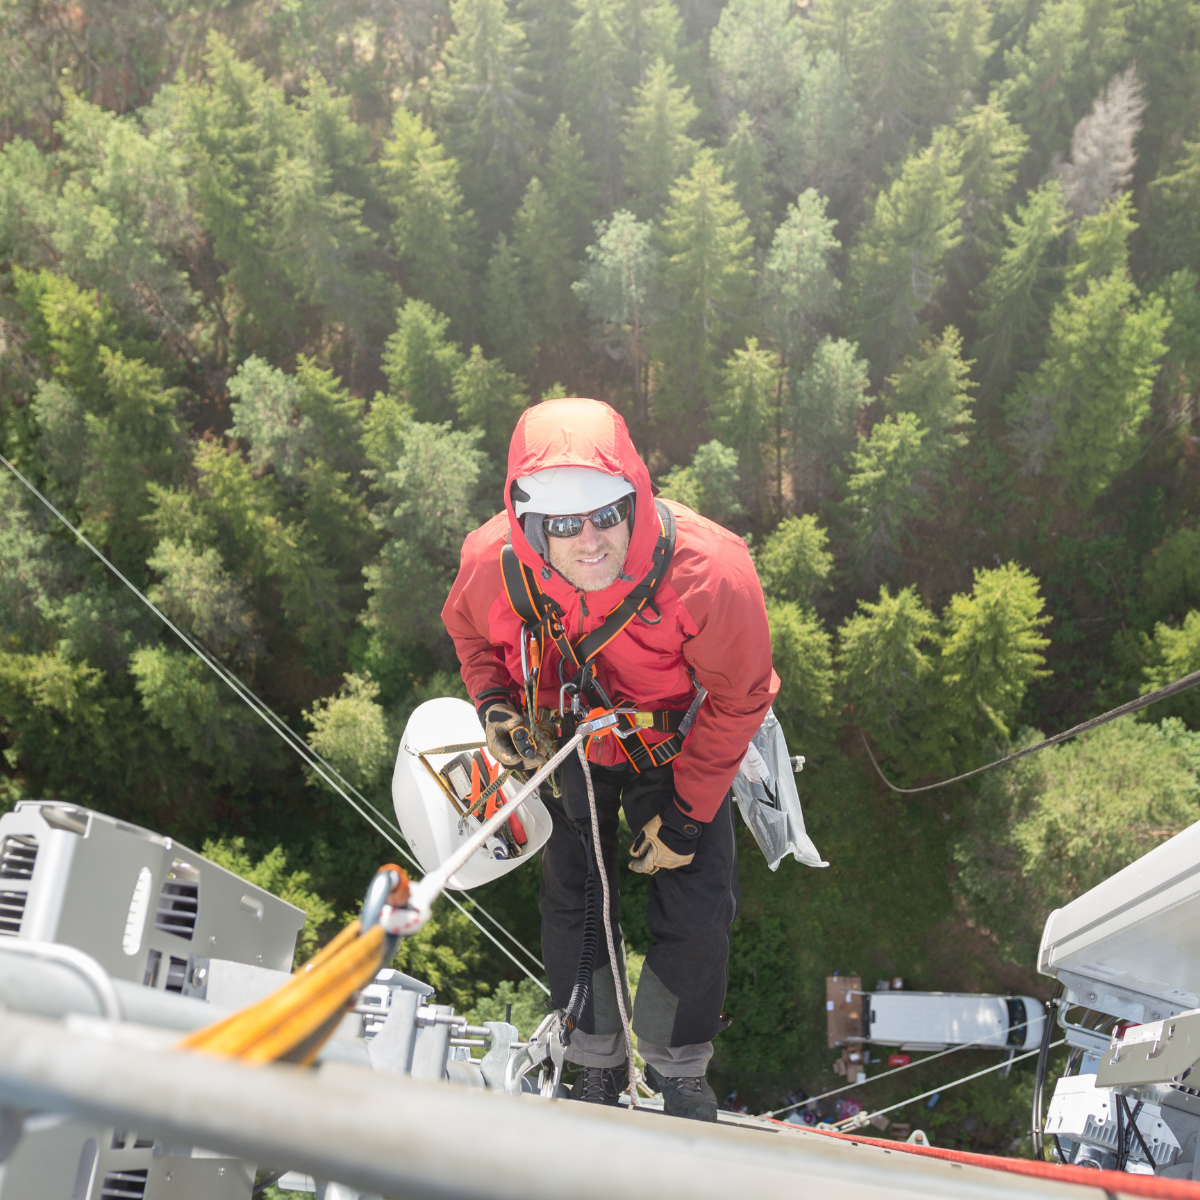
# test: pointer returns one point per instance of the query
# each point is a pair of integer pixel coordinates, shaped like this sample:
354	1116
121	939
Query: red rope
1110	1181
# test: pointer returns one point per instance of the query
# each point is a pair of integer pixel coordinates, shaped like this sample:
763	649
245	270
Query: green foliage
351	732
802	651
1051	826
992	650
886	489
898	263
936	386
1022	285
1080	415
886	656
542	244
708	275
1175	652
434	232
657	146
746	413
823	414
798	285
794	562
618	288
483	109
1171	577
708	485
271	873
528	1006
488	397
421	362
446	954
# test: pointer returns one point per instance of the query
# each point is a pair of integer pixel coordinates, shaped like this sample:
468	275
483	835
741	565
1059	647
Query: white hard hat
562	491
429	822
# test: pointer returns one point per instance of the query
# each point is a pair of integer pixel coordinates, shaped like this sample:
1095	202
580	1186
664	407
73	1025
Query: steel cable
1162	693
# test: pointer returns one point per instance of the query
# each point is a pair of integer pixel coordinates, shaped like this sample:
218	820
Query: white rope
811	1100
608	933
860	1119
314	760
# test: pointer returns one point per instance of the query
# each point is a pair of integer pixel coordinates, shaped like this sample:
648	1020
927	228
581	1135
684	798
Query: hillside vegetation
903	291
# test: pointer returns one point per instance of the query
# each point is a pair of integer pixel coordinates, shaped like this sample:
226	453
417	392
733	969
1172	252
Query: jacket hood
582	433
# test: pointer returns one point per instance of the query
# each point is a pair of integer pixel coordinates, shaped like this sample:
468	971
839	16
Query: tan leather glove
663	845
508	739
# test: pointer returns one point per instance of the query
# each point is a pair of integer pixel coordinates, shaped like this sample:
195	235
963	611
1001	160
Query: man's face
594	559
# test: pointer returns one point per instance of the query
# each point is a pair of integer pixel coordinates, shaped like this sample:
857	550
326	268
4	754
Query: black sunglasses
608	517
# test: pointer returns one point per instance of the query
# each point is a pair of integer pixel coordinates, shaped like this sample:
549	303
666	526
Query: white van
938	1020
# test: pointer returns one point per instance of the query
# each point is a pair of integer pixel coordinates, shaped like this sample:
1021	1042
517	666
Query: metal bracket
1165	1051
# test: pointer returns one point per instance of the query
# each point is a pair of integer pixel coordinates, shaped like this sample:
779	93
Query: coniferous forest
905	292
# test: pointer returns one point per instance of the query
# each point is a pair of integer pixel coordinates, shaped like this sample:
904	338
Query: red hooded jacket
714	621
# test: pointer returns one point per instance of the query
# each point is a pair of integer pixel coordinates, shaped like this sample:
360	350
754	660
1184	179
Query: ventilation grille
178	904
124	1185
12	909
17	856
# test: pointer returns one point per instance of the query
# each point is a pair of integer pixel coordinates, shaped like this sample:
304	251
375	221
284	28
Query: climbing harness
542	621
389	830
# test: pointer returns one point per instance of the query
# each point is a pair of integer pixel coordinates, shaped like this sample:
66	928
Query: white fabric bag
765	789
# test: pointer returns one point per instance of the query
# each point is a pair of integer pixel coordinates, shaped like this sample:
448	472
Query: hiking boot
686	1096
600	1085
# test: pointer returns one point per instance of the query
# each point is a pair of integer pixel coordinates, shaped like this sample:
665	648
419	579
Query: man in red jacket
581	547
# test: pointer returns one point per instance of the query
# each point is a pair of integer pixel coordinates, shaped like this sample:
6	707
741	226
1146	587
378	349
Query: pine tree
821	416
708	485
1080	415
657	146
421	362
821	143
548	25
745	415
898	264
488	397
991	147
794	562
1175	200
483	108
935	384
708	276
1101	244
1021	288
650	30
912	61
618	289
570	189
759	55
434	232
798	286
542	243
887	654
1056	71
744	161
505	318
886	490
598	92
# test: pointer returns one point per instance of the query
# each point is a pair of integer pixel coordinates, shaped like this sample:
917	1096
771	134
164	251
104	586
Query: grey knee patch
654	1011
596	1049
676	1062
605	1013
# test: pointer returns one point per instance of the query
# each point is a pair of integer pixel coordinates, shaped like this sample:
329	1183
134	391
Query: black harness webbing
542	617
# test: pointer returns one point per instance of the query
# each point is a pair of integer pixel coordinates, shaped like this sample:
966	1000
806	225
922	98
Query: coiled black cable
587	950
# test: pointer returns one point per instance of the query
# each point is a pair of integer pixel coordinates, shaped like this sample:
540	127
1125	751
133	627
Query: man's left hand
665	842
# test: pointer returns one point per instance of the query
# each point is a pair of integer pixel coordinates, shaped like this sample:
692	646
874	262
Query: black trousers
690	909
